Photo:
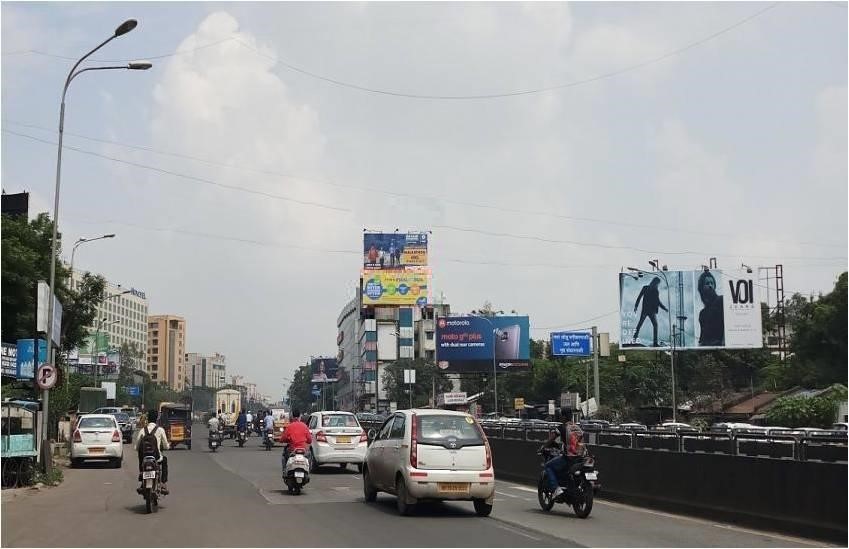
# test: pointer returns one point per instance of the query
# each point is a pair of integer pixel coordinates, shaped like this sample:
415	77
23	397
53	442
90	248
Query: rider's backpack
149	444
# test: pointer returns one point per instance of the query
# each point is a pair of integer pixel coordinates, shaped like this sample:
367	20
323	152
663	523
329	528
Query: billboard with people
704	309
323	370
471	343
394	250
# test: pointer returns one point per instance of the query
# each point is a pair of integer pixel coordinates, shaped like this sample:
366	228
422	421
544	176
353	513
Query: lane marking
506	494
524	489
776	536
516	531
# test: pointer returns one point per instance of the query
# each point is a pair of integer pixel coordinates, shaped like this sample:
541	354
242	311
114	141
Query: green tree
426	374
300	391
802	411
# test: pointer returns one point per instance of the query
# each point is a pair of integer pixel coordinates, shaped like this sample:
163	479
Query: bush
802	411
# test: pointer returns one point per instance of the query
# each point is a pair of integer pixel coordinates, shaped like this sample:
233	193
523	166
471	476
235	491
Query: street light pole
494	370
83	241
124	28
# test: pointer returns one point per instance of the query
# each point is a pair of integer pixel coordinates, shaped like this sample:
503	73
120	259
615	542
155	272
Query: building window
428	336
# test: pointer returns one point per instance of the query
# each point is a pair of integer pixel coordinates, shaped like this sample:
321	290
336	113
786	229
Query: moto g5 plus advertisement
471	343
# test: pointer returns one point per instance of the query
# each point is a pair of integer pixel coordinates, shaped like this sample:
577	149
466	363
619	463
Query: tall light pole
101	324
123	29
494	371
671	345
83	241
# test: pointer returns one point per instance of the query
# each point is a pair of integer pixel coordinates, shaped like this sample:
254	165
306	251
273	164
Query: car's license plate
149	474
453	487
299	474
591	475
343	440
96	450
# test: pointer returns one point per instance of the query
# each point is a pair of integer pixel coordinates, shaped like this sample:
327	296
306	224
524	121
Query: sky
241	170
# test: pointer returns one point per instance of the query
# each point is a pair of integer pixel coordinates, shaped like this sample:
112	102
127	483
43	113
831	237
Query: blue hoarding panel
571	344
470	343
26	353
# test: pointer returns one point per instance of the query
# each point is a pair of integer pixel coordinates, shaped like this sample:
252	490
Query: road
235	498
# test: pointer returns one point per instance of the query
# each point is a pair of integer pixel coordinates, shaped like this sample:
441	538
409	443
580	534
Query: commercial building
121	316
207	370
166	350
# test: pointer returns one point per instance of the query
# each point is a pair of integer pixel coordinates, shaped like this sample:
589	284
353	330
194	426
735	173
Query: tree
426	374
300	391
802	411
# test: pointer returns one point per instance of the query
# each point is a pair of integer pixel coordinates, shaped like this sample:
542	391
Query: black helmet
566	413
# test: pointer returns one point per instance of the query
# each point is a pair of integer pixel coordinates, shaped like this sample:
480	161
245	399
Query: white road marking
524	489
515	531
506	494
776	536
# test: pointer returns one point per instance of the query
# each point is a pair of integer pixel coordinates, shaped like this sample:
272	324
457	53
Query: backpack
148	443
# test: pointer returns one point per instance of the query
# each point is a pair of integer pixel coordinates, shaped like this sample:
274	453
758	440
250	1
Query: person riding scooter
569	439
296	436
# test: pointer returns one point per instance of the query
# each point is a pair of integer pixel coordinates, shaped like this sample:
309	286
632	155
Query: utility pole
595	367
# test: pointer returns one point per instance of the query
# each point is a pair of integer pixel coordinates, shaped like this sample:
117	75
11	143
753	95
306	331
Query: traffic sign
518	403
47	376
133	390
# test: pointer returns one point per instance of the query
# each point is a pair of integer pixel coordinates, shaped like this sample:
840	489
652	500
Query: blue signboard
465	343
571	344
26	353
315	390
133	390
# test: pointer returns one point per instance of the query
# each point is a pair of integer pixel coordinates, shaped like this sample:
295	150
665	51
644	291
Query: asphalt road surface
235	498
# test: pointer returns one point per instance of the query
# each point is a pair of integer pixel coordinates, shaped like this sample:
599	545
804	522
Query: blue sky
734	148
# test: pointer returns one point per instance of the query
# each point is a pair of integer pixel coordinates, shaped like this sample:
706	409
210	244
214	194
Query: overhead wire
417	196
147	58
500	95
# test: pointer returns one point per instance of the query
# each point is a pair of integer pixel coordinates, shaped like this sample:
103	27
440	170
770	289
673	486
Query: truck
229	401
91	398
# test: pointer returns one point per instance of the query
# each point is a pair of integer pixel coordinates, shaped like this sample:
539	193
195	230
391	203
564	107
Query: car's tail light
77	436
488	454
363	436
116	436
414	455
319	436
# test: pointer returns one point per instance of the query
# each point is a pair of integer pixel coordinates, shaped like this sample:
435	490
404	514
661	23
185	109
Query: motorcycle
268	440
214	440
296	472
578	493
150	488
242	437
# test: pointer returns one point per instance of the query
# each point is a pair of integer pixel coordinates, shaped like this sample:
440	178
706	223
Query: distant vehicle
337	437
676	427
427	454
107	410
840	426
125	425
633	427
97	437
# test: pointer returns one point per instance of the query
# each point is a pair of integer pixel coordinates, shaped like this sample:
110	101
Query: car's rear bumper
428	486
110	451
324	453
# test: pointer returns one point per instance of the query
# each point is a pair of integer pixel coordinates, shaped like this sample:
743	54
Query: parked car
337	437
633	427
125	425
676	427
107	410
426	454
97	437
840	426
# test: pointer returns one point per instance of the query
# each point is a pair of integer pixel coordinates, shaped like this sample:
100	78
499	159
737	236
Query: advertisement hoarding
10	359
26	353
709	309
323	370
44	296
465	343
394	250
394	288
571	344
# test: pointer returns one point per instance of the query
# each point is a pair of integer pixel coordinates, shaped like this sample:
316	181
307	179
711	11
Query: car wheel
189	445
313	464
117	463
482	508
404	508
359	467
343	466
369	491
76	463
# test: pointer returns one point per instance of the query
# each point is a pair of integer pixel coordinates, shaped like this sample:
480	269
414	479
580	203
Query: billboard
394	250
323	370
465	343
708	308
571	344
394	288
10	359
25	355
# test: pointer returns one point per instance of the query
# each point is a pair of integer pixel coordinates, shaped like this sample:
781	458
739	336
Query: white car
337	437
430	454
97	437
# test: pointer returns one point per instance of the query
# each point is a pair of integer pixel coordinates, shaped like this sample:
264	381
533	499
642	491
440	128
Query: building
370	338
207	370
166	350
122	316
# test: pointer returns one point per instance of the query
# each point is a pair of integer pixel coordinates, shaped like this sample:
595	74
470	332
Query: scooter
296	473
214	440
268	440
150	488
241	438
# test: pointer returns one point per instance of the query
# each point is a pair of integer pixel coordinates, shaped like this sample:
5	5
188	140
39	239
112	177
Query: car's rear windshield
339	420
97	423
122	418
435	429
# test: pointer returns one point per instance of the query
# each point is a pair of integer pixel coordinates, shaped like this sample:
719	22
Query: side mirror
372	434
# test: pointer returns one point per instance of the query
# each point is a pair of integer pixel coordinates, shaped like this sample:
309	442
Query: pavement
235	498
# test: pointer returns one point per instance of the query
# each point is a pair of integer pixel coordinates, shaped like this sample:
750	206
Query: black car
126	425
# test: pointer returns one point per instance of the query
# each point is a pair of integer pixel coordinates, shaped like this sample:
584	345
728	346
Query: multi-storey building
166	350
207	370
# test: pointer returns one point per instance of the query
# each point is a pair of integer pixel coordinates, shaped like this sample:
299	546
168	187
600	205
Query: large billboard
394	250
708	309
394	288
465	343
323	370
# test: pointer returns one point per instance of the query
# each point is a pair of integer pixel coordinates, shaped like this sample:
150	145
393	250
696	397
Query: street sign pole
595	366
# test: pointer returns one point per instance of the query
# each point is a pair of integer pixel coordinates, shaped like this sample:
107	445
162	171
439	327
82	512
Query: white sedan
97	437
337	437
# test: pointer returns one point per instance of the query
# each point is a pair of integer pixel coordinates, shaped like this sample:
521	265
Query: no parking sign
47	376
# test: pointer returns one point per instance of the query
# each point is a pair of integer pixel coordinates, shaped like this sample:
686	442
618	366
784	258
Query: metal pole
672	363
494	371
587	395
595	367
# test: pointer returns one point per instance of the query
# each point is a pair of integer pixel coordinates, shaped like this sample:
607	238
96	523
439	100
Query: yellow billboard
395	288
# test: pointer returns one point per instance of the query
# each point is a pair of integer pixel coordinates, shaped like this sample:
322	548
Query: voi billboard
707	309
471	343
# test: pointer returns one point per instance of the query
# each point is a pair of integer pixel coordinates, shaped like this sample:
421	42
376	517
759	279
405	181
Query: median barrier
798	497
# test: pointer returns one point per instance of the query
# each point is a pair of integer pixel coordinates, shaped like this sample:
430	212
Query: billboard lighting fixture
744	266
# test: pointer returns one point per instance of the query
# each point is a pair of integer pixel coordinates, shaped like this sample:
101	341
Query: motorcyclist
269	424
569	439
296	436
213	424
242	422
162	444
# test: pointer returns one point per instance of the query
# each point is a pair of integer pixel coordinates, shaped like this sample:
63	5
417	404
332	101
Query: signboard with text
394	250
472	343
571	344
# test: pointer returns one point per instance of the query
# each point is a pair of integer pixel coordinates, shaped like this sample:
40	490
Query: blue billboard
471	343
571	344
26	352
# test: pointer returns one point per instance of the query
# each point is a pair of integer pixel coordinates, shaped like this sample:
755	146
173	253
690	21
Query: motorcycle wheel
297	489
155	503
544	495
148	502
214	448
584	505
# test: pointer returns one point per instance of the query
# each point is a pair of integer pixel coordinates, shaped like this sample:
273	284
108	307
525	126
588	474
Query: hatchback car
97	437
428	454
337	437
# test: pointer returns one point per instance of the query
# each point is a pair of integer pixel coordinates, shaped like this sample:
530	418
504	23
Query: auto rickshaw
176	419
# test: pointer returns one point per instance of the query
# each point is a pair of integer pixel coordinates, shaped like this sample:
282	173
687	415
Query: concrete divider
802	498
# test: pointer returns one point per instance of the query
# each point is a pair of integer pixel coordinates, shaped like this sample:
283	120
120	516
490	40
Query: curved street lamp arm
77	64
